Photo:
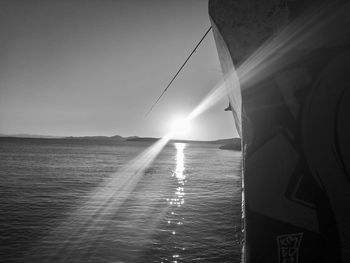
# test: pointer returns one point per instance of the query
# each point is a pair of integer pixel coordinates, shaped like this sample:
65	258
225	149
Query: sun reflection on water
180	167
178	198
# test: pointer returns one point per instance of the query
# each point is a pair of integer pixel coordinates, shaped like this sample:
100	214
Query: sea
81	200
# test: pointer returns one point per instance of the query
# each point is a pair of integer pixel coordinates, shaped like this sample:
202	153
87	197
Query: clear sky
95	67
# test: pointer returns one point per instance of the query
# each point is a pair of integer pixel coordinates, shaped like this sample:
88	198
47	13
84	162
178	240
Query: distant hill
117	137
226	144
114	138
141	139
24	135
87	138
231	144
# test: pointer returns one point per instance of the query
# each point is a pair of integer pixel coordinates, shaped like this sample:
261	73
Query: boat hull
291	106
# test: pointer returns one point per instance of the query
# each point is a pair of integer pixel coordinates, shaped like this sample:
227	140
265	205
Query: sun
180	126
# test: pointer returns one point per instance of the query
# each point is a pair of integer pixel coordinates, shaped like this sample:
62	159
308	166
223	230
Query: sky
84	68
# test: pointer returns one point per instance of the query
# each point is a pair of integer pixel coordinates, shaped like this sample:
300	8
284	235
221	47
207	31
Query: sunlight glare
180	126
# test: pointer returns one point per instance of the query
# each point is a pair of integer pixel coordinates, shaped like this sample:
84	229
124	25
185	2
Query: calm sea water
92	201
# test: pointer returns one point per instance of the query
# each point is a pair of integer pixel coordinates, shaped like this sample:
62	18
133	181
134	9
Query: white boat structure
286	66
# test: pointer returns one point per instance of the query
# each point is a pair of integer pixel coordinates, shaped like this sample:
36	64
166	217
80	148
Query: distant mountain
114	138
24	135
231	144
141	139
227	144
130	138
87	138
223	141
117	137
